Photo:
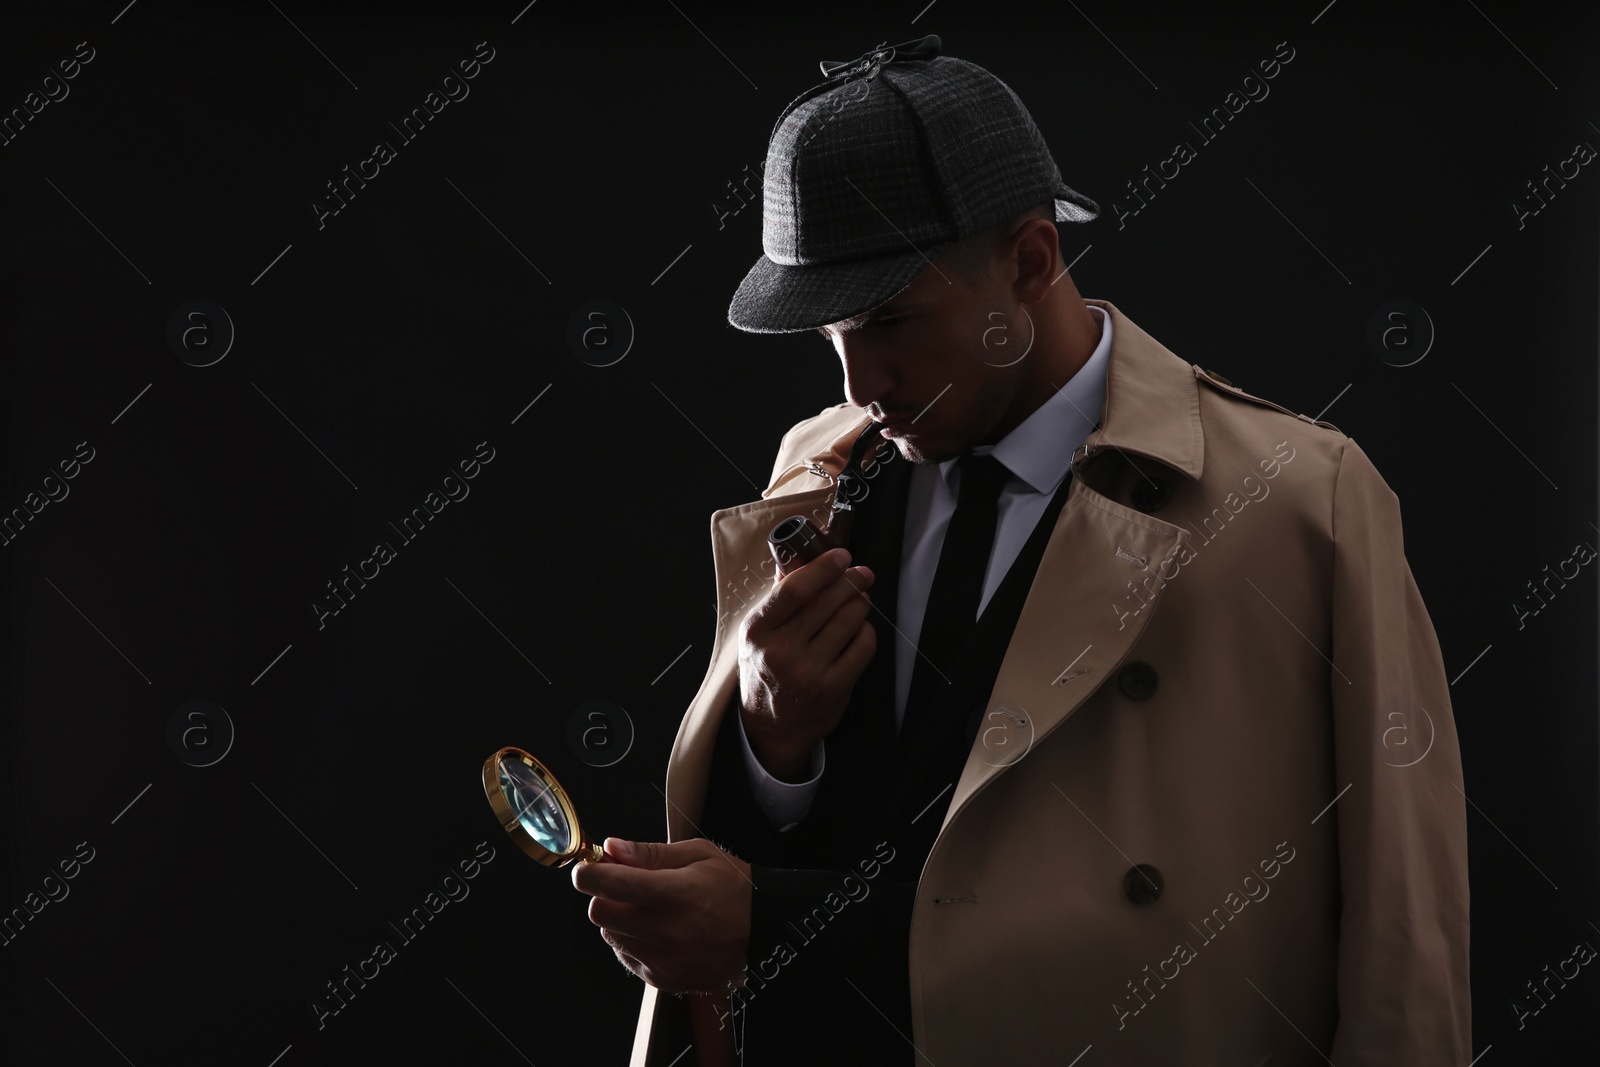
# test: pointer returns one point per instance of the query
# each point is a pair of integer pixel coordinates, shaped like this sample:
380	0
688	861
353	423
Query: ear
1035	250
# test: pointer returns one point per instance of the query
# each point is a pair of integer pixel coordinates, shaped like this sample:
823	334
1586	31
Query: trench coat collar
1152	405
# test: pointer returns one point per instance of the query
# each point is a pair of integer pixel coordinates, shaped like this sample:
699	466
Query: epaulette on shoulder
1222	385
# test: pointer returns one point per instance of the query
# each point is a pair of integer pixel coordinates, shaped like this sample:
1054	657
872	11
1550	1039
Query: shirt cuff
784	803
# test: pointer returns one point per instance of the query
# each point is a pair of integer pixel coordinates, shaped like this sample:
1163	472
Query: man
1120	725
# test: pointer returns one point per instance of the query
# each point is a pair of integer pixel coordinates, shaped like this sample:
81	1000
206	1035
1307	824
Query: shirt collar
1039	449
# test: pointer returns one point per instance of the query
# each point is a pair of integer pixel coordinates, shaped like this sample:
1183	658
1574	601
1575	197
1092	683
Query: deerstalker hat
870	174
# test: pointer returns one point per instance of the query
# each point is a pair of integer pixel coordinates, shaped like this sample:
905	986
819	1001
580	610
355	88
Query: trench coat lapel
744	569
1065	646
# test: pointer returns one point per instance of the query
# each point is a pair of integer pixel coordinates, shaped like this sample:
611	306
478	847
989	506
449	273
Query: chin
917	453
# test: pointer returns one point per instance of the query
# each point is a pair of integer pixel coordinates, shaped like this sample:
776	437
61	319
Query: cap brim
774	298
1073	206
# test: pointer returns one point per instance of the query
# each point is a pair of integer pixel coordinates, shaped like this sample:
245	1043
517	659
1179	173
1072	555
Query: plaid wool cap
872	172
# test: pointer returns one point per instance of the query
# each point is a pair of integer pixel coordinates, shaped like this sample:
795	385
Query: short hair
971	257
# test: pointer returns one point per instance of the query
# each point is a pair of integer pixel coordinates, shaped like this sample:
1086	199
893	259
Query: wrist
787	761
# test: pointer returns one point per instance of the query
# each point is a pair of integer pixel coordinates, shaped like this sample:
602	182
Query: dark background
381	349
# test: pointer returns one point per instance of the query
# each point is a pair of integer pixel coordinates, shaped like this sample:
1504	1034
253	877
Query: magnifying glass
535	810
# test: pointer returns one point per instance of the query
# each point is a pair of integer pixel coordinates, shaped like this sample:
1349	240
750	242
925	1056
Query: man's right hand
801	650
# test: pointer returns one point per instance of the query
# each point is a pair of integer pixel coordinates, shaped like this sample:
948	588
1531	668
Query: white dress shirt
1038	452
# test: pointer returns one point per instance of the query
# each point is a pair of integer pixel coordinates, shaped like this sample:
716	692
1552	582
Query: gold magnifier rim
581	848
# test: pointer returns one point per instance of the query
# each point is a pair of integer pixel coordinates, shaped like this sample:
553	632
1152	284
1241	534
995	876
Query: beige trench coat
1223	670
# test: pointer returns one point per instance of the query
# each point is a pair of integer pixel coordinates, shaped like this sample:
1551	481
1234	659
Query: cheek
987	393
944	368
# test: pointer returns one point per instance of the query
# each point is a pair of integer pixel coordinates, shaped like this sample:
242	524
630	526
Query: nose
868	377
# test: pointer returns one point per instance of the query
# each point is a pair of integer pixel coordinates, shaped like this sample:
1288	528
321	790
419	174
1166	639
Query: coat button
1143	884
1137	680
1150	492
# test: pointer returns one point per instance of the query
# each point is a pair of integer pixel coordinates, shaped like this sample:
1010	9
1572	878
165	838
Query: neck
1065	336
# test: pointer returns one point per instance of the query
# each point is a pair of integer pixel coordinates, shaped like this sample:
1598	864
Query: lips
895	426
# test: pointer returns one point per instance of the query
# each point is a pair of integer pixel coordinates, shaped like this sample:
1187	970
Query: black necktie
958	583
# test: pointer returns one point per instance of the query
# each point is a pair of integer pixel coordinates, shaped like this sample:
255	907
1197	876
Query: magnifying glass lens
537	809
532	807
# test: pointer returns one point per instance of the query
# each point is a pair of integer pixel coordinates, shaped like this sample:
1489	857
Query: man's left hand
677	915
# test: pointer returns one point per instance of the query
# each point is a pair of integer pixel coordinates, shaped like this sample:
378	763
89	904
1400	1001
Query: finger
852	662
633	885
626	919
644	872
665	972
837	631
808	620
622	854
657	855
625	945
797	588
626	958
852	587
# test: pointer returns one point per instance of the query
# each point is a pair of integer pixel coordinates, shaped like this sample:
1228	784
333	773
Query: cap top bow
869	62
